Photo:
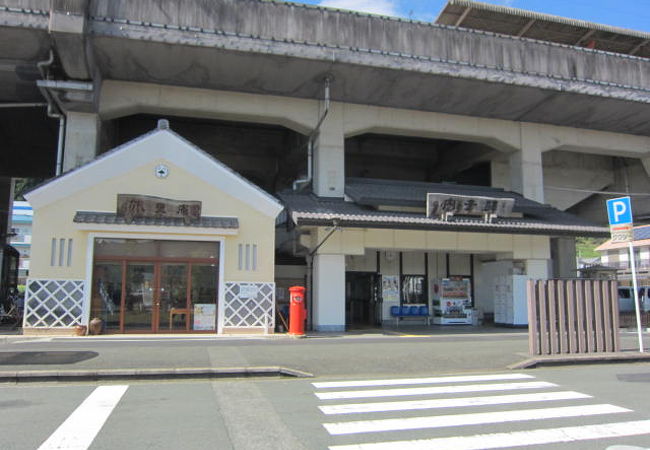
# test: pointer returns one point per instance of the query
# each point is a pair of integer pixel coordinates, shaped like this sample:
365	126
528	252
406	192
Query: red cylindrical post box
297	311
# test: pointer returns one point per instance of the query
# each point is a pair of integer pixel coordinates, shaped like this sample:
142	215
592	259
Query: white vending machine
452	301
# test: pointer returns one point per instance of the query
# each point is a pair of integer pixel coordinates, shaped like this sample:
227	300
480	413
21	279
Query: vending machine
452	301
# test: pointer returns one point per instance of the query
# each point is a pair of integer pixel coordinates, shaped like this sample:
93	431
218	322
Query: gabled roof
366	194
161	143
641	239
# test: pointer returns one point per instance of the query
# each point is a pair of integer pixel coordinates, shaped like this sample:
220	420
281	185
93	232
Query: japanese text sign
132	206
619	212
440	205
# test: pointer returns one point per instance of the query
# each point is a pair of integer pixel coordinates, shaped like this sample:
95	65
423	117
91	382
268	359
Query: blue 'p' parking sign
619	211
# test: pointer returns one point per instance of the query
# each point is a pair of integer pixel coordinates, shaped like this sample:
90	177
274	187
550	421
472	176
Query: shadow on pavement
53	357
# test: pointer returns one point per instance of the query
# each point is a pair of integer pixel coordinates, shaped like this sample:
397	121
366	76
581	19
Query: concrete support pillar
526	171
563	254
500	172
81	139
329	155
329	293
6	204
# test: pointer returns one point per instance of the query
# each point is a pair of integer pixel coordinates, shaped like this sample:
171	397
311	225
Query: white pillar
329	155
329	293
526	171
81	139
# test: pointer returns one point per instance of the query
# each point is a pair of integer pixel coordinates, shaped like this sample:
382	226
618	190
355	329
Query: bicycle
11	309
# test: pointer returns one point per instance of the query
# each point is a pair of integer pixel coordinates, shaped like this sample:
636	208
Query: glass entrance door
174	306
155	286
140	296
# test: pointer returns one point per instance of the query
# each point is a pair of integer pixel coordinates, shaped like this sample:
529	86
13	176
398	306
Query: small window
69	262
61	251
53	253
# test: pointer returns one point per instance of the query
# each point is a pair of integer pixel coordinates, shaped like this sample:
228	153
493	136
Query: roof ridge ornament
163	124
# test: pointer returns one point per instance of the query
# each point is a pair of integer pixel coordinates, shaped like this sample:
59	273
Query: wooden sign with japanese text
133	206
443	205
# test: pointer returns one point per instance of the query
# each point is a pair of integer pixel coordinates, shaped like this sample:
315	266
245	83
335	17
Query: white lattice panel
249	305
53	303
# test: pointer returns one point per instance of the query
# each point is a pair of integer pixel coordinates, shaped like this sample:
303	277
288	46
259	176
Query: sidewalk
412	351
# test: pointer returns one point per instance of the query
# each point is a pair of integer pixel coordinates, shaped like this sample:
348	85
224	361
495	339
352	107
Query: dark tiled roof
113	219
307	209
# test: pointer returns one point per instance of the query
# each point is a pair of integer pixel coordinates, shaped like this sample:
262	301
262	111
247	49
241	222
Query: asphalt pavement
565	408
378	352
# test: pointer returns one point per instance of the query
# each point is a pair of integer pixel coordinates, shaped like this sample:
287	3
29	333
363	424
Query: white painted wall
413	263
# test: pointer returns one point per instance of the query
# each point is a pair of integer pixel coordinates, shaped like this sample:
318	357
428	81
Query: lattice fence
53	303
249	305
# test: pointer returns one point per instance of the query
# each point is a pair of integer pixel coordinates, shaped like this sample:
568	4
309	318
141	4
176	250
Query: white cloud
384	7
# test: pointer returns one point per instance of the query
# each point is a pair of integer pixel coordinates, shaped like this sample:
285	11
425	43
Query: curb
593	358
149	374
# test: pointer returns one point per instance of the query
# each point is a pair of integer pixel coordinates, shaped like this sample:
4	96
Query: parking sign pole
636	297
621	225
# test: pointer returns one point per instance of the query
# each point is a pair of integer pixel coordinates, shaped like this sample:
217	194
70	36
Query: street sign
621	234
619	211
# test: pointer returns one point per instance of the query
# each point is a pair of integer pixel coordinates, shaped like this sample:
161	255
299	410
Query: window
414	289
247	254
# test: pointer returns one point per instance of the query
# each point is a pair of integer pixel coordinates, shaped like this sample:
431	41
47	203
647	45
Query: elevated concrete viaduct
510	101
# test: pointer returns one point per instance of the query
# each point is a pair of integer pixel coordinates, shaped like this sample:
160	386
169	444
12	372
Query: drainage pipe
42	67
310	140
22	105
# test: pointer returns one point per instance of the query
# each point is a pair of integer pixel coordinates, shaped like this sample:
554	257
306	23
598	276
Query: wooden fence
572	316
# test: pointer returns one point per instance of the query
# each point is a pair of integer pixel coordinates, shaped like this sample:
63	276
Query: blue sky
634	14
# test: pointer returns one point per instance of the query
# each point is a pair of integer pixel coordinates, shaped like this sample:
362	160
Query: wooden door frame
90	262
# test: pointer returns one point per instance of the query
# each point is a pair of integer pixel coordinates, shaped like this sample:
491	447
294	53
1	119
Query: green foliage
586	246
23	185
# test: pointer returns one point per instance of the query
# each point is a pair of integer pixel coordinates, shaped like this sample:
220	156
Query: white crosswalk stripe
430	380
450	402
81	427
448	417
455	420
514	439
433	390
